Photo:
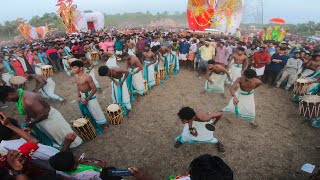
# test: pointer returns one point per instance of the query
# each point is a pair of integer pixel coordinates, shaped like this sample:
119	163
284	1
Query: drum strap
166	64
174	61
19	103
129	84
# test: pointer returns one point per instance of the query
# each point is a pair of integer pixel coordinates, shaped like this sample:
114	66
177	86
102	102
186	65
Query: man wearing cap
259	61
291	70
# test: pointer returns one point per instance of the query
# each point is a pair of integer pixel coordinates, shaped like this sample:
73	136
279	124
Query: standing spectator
53	57
278	60
141	44
110	45
221	53
77	50
184	47
118	46
291	70
259	61
155	42
103	45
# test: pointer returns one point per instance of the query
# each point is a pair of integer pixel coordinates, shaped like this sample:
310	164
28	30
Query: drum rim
47	66
76	121
118	106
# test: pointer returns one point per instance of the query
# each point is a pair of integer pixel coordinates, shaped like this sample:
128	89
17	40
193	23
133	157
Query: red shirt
77	49
260	59
49	51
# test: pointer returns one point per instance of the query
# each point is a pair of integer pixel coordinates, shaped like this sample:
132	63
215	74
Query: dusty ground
277	149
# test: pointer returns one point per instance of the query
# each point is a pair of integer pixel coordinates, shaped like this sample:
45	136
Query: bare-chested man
45	85
87	99
216	77
39	114
242	104
64	56
238	63
149	60
164	60
312	65
120	92
89	69
198	127
131	47
135	80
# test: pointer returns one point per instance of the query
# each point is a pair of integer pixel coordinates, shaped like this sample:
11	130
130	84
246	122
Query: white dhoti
176	63
93	75
138	82
259	71
218	85
118	52
121	95
112	62
235	71
204	135
6	77
66	66
94	108
245	108
131	51
307	72
88	56
182	57
37	68
48	90
148	74
56	128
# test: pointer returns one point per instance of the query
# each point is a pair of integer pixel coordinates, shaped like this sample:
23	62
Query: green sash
19	103
82	167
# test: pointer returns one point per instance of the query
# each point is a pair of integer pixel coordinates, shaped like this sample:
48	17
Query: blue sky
293	11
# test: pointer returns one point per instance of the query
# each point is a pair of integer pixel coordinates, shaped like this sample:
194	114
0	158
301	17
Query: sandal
177	145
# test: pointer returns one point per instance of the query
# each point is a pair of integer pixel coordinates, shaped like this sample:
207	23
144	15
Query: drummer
87	99
45	85
89	68
120	92
40	116
312	66
198	127
63	54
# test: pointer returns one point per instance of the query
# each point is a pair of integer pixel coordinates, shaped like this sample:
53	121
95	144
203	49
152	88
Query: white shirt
43	153
155	43
193	47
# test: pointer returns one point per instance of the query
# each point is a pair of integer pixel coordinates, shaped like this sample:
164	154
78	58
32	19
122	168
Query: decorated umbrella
278	21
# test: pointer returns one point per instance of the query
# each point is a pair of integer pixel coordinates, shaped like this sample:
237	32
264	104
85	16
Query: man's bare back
34	105
149	56
248	85
133	62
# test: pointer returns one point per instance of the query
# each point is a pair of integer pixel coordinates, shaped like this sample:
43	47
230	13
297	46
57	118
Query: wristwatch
13	172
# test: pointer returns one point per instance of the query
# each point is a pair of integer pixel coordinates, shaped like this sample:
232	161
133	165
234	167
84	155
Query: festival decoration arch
223	15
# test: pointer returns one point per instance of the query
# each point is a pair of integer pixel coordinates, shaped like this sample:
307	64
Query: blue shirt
277	67
271	50
118	45
184	47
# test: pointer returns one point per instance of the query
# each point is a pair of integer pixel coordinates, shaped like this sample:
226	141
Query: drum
70	60
85	129
157	77
171	68
18	82
114	113
46	70
94	55
162	74
309	106
37	68
301	86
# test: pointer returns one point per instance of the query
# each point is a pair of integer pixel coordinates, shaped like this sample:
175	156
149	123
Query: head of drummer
104	71
186	114
29	74
77	66
64	161
125	56
8	94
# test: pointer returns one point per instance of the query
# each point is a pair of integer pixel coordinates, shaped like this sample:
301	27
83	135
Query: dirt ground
277	149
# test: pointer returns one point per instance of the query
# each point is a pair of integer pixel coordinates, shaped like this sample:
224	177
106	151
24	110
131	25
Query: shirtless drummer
238	63
88	103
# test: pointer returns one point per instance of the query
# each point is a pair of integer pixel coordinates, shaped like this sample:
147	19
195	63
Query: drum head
17	80
303	80
46	67
113	108
80	122
311	98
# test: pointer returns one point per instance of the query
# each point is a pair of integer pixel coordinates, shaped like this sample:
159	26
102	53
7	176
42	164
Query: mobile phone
121	173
